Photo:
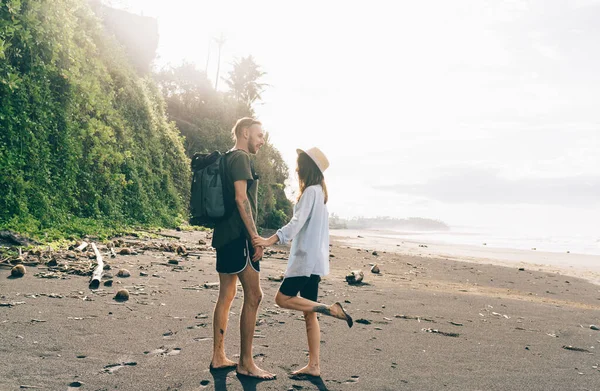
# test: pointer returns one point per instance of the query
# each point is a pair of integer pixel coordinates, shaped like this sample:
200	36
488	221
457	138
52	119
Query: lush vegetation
85	144
88	146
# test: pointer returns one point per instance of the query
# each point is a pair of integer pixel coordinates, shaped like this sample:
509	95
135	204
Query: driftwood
82	246
113	254
165	235
97	274
16	238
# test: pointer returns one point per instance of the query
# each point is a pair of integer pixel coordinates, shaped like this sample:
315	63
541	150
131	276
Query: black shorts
233	257
307	286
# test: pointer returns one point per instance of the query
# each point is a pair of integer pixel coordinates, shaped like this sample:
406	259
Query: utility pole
220	41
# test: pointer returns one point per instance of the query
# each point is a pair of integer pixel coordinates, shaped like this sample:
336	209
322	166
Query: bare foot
222	363
308	370
337	311
254	372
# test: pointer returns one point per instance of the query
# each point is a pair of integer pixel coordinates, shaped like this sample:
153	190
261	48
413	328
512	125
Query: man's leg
227	290
252	298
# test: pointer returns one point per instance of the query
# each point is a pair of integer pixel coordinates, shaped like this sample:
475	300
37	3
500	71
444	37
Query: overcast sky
483	113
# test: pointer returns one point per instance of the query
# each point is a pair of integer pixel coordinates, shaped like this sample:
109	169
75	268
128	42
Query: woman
309	255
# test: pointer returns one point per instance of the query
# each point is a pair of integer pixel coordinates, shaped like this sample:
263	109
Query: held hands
258	241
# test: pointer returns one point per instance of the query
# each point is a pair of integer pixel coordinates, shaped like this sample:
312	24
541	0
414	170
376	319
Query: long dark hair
309	174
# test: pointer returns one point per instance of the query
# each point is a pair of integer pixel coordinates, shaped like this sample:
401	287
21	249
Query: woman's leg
313	333
227	290
301	304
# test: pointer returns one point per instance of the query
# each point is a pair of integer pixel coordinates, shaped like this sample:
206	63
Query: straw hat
317	156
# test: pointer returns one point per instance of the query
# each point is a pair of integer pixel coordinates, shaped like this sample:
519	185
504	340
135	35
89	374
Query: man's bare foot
337	311
222	363
254	372
309	370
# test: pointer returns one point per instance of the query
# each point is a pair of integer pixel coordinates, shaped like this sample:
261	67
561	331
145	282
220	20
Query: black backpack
210	200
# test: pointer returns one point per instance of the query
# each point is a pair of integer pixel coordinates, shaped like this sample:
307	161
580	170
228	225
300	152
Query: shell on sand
122	295
18	271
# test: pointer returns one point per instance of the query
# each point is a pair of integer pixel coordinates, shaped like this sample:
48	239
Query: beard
253	147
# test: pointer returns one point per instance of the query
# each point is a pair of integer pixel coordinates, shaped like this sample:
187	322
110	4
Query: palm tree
243	81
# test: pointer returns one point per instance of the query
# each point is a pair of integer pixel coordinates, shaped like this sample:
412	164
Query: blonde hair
241	124
309	174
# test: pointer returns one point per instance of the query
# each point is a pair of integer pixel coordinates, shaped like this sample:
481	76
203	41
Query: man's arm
243	205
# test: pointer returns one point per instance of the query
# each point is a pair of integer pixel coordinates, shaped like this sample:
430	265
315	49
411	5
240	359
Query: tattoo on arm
322	309
248	218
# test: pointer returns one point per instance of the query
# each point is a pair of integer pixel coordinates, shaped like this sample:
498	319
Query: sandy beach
431	320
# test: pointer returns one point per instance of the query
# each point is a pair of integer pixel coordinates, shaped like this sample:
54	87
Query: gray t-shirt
238	168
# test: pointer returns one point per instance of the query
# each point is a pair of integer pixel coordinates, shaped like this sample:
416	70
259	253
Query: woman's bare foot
222	363
254	372
310	370
337	311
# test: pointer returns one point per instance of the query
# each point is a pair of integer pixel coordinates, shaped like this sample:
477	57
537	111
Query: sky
478	113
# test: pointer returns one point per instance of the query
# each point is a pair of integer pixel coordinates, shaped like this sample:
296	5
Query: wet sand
427	323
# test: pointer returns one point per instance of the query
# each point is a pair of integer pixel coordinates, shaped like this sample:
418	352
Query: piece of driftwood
113	254
82	246
165	235
97	274
16	238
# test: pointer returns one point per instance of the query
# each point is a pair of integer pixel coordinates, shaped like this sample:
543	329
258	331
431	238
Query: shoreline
583	266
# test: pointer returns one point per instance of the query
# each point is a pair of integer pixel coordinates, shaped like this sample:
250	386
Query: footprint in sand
112	368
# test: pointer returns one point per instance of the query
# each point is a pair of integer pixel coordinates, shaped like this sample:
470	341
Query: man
236	257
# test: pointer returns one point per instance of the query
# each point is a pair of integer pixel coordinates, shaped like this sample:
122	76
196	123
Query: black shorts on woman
308	287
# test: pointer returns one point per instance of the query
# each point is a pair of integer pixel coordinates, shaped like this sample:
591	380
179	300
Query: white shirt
309	229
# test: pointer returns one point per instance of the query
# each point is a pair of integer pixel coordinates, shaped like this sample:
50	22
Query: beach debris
417	318
173	262
25	386
575	349
456	323
181	250
123	273
363	321
81	247
360	237
276	278
533	248
76	384
375	269
594	327
18	271
423	245
97	273
521	269
113	254
125	251
375	253
355	277
331	256
211	285
108	283
436	331
122	295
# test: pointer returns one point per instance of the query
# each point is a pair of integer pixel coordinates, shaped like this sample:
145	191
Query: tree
243	81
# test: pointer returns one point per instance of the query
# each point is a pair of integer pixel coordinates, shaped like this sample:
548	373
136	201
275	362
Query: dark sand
512	327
